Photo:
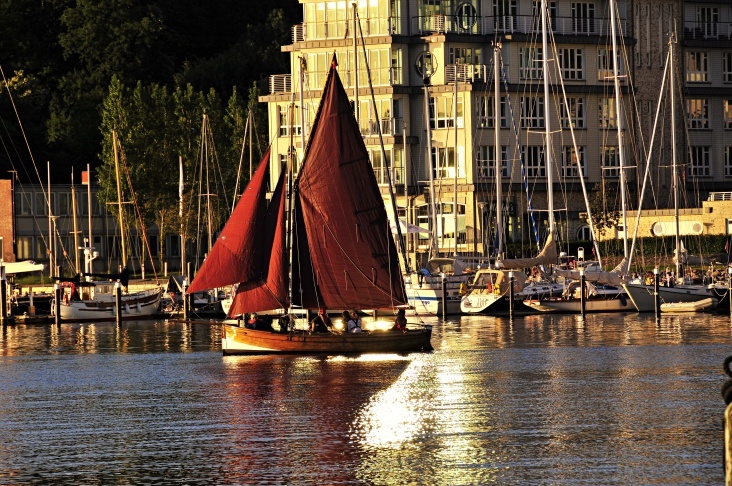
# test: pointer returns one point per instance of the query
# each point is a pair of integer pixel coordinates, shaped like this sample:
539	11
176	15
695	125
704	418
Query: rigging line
137	211
517	153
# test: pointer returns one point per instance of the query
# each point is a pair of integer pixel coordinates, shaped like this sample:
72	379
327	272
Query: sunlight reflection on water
614	399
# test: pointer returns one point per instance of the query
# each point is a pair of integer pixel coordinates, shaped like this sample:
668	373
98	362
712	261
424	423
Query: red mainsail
346	257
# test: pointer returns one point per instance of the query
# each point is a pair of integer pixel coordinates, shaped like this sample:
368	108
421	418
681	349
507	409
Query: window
728	114
583	18
698	113
576	117
610	160
441	113
443	163
728	161
707	19
700	163
505	15
377	162
572	163
571	63
606	110
23	204
172	246
727	67
530	63
696	67
485	116
584	233
536	13
486	162
466	16
24	247
532	112
285	121
605	65
533	158
464	55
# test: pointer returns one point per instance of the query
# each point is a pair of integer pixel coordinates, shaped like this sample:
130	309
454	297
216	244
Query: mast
672	87
355	63
290	200
119	201
51	263
434	251
76	228
547	123
455	162
89	204
303	67
209	223
497	147
619	124
180	216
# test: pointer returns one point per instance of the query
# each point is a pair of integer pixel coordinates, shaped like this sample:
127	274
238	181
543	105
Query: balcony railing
510	24
342	29
389	126
708	30
466	73
280	83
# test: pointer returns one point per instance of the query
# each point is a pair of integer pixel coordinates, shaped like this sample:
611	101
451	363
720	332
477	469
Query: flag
85	177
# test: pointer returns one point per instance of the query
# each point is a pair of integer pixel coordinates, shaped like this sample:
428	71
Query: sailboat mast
119	201
76	227
455	162
89	205
672	87
290	168
51	262
619	122
497	148
180	216
209	222
355	63
547	123
434	251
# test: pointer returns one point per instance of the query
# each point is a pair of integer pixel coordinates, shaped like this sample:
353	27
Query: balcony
389	127
309	31
707	30
466	73
510	24
280	83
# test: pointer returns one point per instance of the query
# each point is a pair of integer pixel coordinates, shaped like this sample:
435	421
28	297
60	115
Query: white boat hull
698	306
644	300
137	305
574	306
424	295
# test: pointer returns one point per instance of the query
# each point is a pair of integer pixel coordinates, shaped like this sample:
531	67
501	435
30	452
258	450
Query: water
617	399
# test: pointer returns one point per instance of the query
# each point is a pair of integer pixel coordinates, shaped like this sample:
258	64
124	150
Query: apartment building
447	48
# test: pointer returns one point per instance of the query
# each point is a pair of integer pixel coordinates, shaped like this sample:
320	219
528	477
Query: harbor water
614	399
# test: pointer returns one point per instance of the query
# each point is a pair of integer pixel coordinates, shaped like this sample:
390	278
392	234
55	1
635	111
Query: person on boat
321	322
252	322
354	323
400	323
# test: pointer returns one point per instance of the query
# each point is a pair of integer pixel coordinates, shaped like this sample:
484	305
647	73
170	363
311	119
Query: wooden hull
240	340
138	305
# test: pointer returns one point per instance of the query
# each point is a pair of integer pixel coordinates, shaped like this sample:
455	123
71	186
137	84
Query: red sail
353	256
269	291
240	249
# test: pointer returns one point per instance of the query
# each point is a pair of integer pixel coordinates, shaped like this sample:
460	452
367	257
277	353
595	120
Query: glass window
572	163
571	62
24	247
700	162
610	160
728	114
606	110
533	158
532	112
485	115
576	116
696	67
530	63
727	67
583	18
485	162
698	113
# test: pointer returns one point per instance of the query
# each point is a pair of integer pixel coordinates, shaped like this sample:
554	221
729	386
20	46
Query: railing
389	126
280	83
510	24
342	29
720	196
707	30
466	73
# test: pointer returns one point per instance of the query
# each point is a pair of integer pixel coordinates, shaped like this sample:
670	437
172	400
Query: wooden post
57	303
656	296
118	301
583	299
3	295
444	296
31	307
510	295
185	299
729	288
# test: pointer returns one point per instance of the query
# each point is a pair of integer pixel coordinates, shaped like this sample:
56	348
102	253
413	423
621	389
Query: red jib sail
346	257
245	249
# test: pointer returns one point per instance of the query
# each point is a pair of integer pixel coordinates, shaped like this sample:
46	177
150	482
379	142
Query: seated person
354	323
400	323
321	322
252	321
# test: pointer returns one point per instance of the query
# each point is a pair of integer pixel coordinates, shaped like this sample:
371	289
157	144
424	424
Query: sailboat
603	292
334	251
642	295
86	300
492	288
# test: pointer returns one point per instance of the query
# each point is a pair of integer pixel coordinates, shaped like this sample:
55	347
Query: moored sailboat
334	251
